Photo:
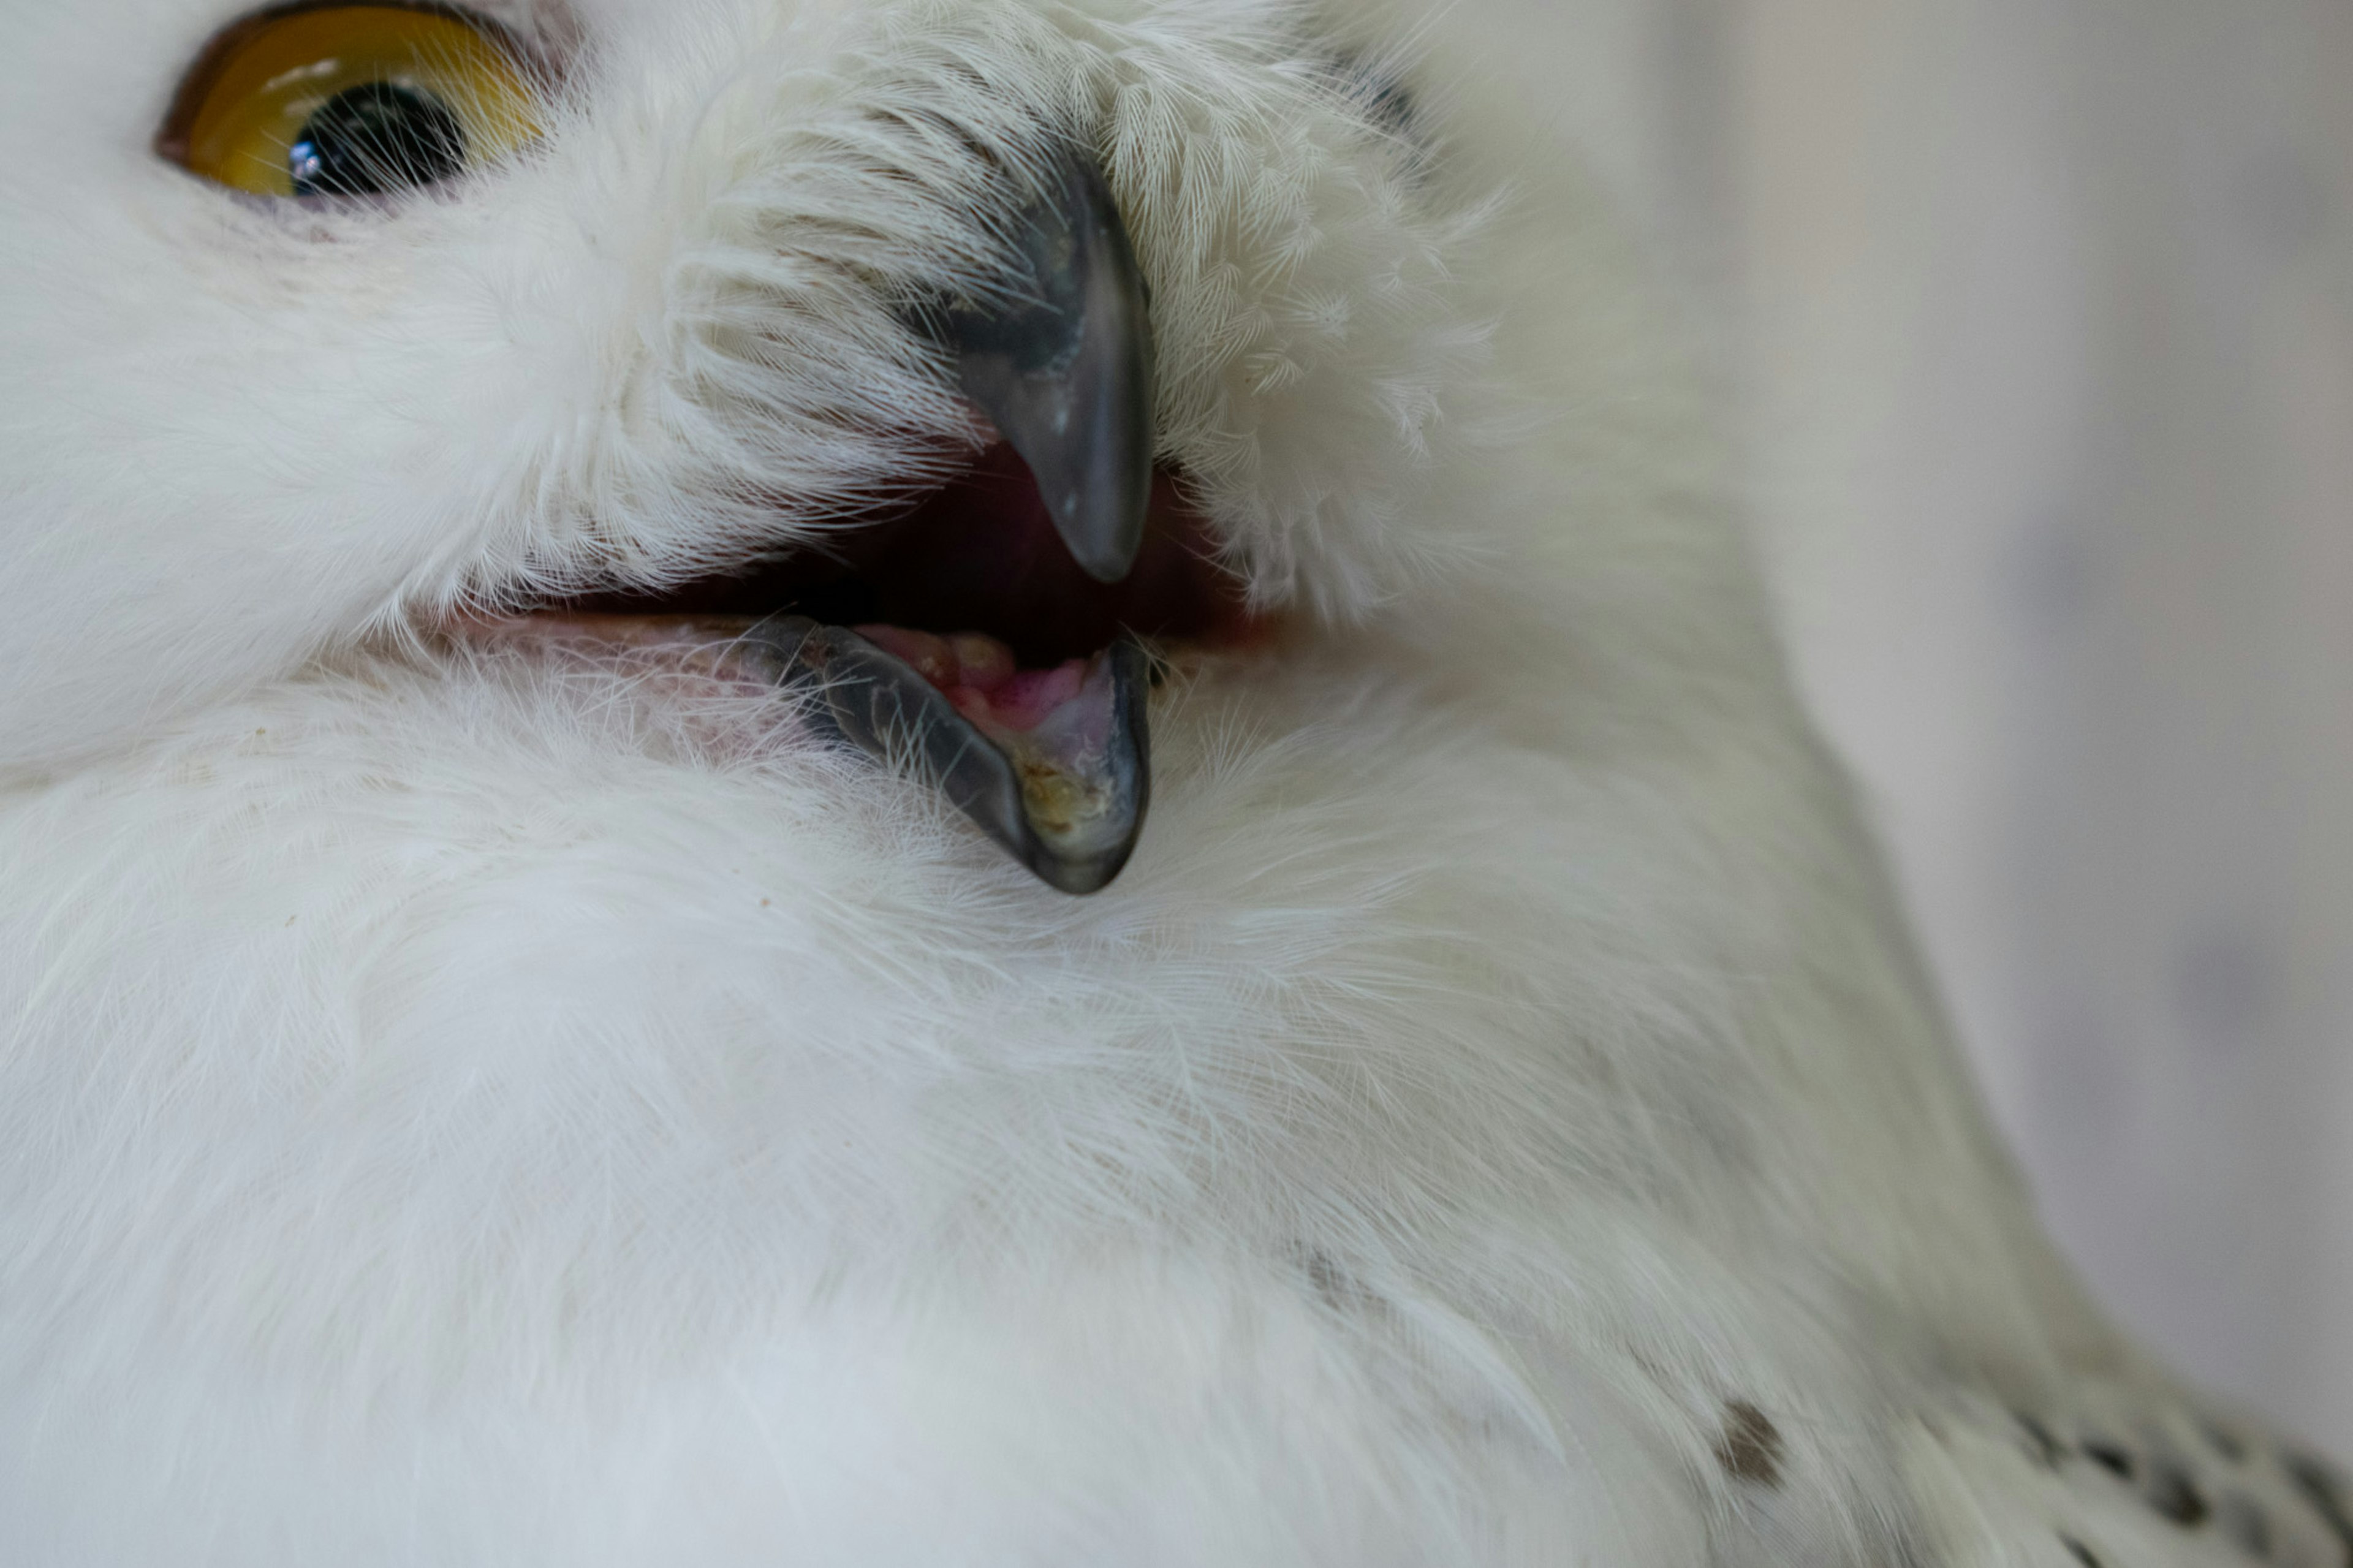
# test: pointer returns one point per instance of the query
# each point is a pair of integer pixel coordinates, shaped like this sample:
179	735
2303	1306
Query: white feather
460	1108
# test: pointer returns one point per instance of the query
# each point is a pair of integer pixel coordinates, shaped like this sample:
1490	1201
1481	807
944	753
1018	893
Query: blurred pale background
2042	316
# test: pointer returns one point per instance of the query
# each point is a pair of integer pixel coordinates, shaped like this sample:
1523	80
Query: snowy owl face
943	373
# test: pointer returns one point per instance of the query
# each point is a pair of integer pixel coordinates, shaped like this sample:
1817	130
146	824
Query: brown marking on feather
2175	1495
2224	1441
2047	1449
2110	1457
2243	1520
2325	1492
2081	1552
1751	1449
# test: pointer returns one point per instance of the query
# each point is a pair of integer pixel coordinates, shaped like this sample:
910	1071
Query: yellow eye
350	100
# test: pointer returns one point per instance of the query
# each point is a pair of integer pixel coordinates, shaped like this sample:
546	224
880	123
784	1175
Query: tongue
1055	765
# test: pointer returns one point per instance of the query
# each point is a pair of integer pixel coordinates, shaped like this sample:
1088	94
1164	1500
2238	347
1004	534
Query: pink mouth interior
979	675
971	586
978	556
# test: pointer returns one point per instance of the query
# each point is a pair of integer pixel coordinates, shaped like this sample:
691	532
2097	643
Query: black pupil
374	138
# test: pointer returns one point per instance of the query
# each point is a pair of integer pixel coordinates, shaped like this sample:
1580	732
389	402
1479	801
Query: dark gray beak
1059	359
1061	363
1066	799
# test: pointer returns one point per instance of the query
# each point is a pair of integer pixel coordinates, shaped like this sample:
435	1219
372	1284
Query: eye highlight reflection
349	101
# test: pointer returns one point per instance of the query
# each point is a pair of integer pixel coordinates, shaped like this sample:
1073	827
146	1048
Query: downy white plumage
497	1100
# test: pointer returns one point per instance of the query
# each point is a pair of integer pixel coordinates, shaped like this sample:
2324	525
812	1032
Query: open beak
1061	360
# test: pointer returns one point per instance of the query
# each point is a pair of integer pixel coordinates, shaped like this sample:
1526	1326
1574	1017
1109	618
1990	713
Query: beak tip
1064	369
1108	558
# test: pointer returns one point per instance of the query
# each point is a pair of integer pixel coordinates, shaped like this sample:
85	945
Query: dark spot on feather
1751	1449
2081	1552
2224	1441
1340	1287
2316	1479
2173	1494
2322	1487
2243	1520
1388	105
1388	102
1331	1282
1394	108
2047	1449
2110	1456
